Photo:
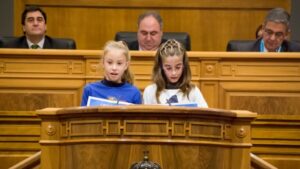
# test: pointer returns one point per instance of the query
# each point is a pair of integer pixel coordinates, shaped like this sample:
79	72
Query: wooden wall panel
36	82
210	23
228	79
283	130
19	136
32	99
263	97
280	103
210	91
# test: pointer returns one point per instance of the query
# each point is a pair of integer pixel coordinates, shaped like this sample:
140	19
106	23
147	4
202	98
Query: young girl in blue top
171	78
117	82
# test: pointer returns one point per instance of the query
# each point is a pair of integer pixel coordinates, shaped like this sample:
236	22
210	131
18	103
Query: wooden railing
32	162
258	163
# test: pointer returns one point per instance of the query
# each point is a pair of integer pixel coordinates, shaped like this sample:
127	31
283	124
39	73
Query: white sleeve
149	94
198	97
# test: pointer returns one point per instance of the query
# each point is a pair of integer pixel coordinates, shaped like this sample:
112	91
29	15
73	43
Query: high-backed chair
69	43
239	45
60	43
254	45
1	43
182	37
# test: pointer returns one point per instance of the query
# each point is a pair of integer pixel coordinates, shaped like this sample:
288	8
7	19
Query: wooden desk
116	137
266	83
55	78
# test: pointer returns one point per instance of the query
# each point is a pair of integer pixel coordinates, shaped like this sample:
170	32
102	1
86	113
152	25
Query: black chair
61	43
244	45
6	39
239	45
69	43
1	43
182	37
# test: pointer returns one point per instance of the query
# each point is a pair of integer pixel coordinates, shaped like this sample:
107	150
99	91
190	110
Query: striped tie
35	46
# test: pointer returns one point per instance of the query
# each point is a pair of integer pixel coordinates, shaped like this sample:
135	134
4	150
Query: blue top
112	91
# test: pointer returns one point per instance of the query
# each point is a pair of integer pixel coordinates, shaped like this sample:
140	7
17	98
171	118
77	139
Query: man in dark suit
34	25
149	35
275	31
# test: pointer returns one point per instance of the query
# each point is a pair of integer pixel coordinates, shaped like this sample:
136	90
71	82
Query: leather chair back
182	37
239	45
67	43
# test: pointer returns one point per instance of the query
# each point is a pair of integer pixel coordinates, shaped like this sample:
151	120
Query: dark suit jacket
254	46
135	44
50	43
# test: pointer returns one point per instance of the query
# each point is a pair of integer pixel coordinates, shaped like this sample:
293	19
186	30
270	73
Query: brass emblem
145	164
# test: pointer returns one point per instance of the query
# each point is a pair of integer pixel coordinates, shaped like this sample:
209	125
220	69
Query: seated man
34	21
275	31
149	35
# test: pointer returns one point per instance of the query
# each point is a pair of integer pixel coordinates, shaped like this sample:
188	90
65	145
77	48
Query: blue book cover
184	104
181	104
95	101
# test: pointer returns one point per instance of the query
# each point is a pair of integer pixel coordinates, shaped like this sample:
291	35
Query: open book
95	101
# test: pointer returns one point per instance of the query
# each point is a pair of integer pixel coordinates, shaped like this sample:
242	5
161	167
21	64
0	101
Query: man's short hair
278	15
151	13
32	9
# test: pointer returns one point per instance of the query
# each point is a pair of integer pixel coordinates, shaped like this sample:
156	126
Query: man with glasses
275	31
34	26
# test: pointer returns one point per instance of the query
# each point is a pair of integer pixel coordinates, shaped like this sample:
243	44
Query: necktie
35	46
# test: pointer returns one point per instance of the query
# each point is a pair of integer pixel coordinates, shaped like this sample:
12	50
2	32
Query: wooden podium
116	137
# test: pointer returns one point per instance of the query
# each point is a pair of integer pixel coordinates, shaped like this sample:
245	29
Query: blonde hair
113	45
171	48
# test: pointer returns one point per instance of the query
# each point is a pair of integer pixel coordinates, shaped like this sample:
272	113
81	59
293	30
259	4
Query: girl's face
173	68
114	64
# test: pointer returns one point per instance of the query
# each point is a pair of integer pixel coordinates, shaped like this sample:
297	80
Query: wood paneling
253	81
210	23
19	136
276	139
266	83
202	143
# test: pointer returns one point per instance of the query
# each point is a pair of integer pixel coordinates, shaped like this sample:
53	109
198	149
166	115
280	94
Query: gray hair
278	15
154	14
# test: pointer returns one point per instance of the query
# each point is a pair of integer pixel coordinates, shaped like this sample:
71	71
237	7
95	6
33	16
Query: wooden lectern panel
116	137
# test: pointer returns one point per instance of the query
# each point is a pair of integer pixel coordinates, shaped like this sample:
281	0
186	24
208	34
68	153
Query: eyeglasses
277	34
